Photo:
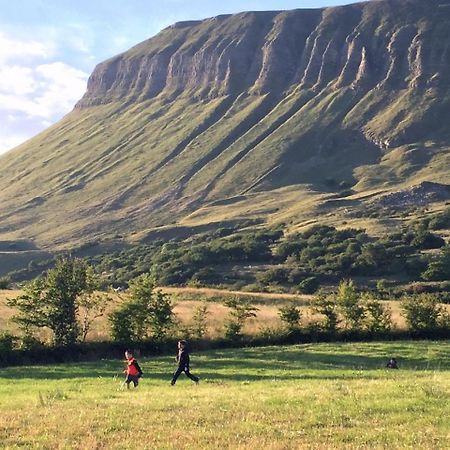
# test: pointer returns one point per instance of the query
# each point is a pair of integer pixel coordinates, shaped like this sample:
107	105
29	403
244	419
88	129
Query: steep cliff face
390	43
236	106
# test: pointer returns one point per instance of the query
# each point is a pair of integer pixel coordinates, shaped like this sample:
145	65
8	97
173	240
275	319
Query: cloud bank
36	87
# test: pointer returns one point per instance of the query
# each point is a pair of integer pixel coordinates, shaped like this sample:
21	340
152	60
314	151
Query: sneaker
172	383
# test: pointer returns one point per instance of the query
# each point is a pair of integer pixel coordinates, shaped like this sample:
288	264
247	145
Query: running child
133	371
183	363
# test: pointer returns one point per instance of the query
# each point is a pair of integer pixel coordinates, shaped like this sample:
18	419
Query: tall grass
186	299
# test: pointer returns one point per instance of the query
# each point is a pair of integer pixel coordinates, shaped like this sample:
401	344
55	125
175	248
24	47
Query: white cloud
16	79
14	49
61	86
50	90
36	87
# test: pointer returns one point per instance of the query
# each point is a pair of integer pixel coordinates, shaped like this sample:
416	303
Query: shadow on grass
282	363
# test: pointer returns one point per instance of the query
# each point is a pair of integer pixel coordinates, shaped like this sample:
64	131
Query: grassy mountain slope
256	115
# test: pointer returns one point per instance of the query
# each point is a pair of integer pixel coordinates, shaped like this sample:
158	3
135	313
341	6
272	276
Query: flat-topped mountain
257	115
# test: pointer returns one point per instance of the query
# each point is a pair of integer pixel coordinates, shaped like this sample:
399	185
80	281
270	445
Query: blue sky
48	48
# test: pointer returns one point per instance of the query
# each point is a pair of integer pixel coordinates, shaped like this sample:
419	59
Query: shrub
206	276
290	247
382	288
275	275
440	221
427	240
241	310
422	312
7	342
291	316
308	285
439	270
5	282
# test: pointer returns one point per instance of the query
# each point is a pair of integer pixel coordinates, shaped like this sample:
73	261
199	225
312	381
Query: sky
48	48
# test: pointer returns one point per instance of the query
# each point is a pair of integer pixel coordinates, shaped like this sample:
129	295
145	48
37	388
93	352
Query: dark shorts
132	379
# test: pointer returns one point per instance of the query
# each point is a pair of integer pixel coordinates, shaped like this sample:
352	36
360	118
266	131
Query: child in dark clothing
133	371
392	364
183	363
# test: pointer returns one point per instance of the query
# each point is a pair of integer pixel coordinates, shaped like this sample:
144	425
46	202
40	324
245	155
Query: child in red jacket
133	371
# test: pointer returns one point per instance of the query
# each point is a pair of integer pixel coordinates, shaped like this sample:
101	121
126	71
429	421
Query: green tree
439	269
348	299
423	312
146	313
31	307
199	320
52	301
64	284
378	316
290	315
308	285
241	311
161	314
92	306
122	323
326	306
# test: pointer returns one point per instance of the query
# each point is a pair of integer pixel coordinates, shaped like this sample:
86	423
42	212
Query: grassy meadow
305	396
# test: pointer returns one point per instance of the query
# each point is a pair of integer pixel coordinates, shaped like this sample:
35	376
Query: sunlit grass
307	396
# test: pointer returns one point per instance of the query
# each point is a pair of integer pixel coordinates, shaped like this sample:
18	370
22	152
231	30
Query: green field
307	396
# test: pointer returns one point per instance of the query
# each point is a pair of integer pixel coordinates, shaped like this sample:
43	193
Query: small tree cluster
147	313
53	301
423	312
327	307
355	310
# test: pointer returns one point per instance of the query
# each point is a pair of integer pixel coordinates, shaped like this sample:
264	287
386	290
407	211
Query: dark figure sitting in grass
392	364
133	371
183	363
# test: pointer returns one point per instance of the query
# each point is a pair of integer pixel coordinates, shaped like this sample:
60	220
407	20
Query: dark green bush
290	315
439	269
308	285
7	342
5	282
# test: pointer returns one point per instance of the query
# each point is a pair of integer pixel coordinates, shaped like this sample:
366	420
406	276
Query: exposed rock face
389	43
420	195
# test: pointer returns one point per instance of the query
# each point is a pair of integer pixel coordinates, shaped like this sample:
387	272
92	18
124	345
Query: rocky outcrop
420	195
360	46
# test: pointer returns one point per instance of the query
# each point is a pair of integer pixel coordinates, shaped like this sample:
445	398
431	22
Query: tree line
66	302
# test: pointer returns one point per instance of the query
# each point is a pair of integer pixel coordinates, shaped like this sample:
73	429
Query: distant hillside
281	117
